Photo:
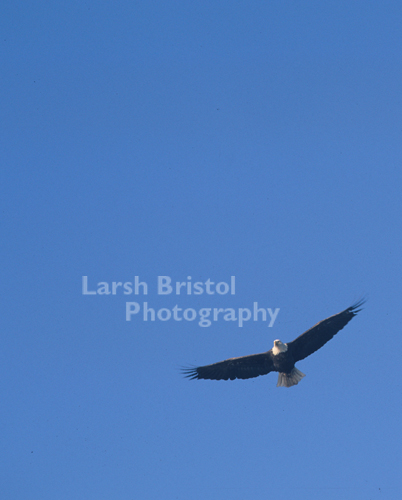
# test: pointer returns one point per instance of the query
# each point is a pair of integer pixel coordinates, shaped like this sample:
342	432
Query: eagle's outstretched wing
243	367
311	340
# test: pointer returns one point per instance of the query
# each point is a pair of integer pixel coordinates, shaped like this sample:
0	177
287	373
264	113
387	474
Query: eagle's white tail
289	379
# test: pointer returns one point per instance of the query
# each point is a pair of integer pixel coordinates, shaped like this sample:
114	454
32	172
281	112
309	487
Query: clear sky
254	139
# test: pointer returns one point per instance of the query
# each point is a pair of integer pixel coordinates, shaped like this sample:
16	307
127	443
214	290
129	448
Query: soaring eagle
282	357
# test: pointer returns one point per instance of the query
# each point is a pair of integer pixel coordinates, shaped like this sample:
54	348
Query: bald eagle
281	358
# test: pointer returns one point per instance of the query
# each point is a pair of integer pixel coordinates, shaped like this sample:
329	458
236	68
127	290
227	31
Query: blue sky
260	140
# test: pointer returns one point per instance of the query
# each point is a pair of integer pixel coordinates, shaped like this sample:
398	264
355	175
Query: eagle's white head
279	347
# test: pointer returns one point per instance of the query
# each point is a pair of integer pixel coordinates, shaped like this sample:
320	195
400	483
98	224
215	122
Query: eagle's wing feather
314	338
243	367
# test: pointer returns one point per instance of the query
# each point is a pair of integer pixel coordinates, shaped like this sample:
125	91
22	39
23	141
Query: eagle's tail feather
289	379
